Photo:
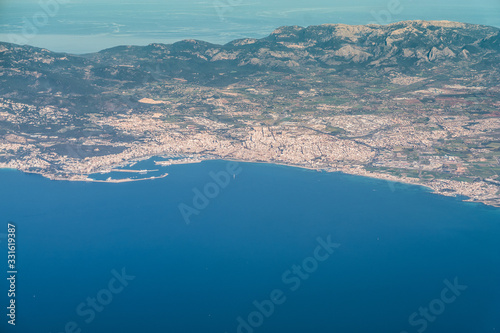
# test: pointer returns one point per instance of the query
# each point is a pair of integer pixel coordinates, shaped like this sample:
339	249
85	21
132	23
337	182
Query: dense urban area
416	102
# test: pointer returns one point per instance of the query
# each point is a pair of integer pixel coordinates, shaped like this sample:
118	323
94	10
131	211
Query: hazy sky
80	26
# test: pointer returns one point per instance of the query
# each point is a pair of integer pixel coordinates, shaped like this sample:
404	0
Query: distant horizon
78	27
270	32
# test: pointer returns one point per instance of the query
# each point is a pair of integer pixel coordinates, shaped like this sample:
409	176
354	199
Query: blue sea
269	249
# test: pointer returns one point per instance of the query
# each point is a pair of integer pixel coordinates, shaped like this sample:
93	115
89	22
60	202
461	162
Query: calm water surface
398	244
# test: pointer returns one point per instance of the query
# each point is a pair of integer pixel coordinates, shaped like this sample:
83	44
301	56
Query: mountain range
416	101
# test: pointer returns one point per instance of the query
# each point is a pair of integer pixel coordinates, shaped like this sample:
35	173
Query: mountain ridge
279	32
409	46
413	101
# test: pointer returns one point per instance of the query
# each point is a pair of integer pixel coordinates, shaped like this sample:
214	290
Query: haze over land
415	101
83	26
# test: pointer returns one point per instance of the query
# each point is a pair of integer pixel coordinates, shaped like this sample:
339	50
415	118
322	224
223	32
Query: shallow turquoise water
397	245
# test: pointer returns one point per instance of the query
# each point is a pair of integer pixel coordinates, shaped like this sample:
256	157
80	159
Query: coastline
436	186
124	180
360	172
